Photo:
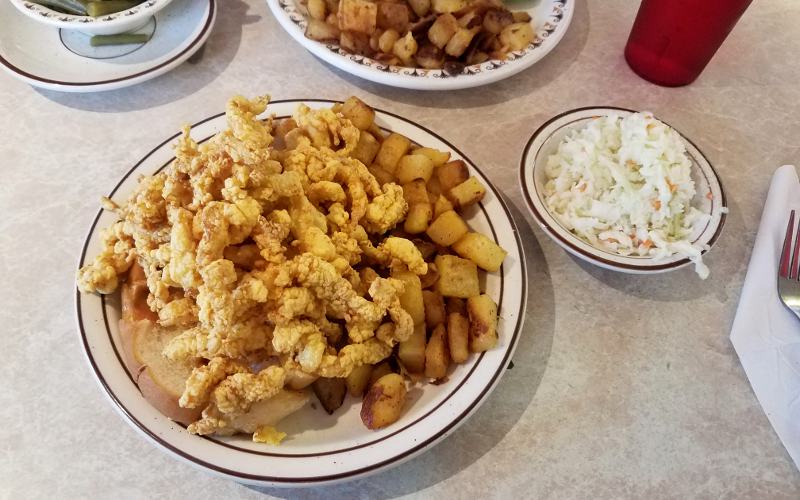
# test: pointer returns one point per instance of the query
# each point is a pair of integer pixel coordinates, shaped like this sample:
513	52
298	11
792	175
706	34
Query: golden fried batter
258	253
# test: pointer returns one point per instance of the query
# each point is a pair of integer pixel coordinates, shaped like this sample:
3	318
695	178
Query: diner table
622	386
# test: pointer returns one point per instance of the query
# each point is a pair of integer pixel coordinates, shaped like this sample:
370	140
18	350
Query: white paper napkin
765	334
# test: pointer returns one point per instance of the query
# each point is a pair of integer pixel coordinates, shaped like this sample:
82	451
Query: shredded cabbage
624	185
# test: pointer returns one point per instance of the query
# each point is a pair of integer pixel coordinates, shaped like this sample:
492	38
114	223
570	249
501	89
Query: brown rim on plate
206	27
152	435
593	257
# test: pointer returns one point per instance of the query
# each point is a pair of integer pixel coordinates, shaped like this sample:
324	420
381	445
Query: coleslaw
624	185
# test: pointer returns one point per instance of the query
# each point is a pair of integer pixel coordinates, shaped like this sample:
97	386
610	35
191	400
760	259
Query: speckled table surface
623	386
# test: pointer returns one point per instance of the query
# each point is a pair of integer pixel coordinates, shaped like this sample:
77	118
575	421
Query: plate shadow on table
726	259
522	84
203	67
492	421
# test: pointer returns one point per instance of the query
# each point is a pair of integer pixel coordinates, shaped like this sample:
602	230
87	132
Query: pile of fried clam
430	34
277	260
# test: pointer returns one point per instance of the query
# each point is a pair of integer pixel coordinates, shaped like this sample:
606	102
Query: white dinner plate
320	448
118	22
710	197
551	19
63	60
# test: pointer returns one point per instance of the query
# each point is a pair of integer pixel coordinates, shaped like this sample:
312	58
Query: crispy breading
386	210
179	312
204	379
340	365
326	129
269	435
182	269
215	299
101	275
259	251
386	293
239	391
405	252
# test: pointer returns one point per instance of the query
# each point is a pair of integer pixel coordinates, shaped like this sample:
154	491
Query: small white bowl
710	197
112	24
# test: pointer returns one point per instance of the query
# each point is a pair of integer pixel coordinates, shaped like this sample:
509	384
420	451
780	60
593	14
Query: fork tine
793	274
786	253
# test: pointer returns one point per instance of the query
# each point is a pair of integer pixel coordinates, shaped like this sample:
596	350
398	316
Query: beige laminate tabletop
623	386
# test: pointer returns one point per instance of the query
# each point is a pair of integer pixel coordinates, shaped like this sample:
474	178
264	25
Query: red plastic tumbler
672	40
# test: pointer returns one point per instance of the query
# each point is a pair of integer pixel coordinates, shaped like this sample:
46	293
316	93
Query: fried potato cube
478	248
451	174
411	352
438	158
457	277
384	401
456	305
415	192
430	278
392	149
477	57
496	19
482	323
429	56
386	41
434	308
434	188
437	354
358	112
459	42
358	380
393	16
405	48
441	206
411	298
467	193
381	175
376	132
446	229
418	218
379	370
355	42
420	7
521	17
413	166
471	19
316	9
374	40
442	30
322	31
446	6
358	15
330	392
458	337
516	36
366	148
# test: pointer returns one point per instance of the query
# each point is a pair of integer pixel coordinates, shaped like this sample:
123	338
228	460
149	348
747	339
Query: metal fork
788	272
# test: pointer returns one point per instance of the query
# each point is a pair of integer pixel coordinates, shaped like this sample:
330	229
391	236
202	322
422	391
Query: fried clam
311	254
243	259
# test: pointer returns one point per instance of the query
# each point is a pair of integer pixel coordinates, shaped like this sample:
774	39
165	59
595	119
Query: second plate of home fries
427	44
300	292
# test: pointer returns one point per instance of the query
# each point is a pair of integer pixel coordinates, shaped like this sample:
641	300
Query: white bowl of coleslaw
623	190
